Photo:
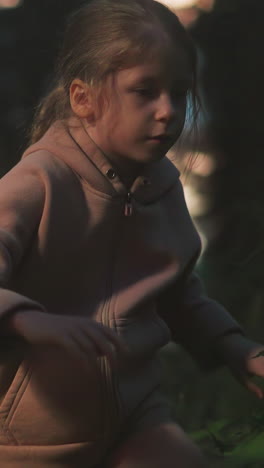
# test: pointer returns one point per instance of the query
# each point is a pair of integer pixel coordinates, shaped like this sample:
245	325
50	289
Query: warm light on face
10	3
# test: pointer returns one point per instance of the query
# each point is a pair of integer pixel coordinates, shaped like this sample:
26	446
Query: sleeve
196	321
22	195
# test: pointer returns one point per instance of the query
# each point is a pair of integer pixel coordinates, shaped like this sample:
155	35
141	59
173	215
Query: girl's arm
22	194
196	322
244	358
213	338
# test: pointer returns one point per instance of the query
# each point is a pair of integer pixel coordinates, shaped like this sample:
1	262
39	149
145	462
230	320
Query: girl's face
145	113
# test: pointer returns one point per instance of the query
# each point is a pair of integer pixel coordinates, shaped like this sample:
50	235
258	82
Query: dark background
230	40
29	38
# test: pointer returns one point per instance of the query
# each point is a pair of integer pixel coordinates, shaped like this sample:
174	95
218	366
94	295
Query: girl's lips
160	139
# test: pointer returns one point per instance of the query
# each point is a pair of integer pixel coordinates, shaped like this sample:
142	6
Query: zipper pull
128	205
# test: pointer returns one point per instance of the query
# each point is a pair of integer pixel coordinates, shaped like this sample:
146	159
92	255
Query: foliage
217	413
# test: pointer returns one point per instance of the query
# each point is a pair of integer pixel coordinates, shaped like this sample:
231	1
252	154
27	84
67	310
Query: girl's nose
165	108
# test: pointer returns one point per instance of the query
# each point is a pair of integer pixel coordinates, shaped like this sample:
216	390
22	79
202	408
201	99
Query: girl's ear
81	100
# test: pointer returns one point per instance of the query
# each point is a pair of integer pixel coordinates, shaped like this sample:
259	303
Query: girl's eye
145	92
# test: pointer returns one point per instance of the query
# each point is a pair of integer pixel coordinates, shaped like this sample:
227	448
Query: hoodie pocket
61	401
14	375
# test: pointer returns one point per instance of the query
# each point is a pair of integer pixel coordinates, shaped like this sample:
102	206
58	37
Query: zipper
110	380
128	205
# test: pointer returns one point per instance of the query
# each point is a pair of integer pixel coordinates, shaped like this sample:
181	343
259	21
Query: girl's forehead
175	69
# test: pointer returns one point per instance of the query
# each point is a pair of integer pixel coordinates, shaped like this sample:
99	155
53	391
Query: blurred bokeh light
202	4
189	11
179	3
10	3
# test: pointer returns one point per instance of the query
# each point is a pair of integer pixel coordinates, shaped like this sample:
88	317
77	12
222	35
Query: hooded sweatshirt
75	241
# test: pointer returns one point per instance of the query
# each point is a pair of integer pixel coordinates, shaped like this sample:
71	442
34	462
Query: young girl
97	251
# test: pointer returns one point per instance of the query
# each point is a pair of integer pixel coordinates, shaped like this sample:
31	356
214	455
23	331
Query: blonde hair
104	36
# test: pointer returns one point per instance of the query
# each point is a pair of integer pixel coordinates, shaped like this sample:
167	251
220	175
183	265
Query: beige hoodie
68	247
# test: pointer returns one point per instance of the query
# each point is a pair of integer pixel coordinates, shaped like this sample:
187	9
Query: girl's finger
102	344
246	381
113	337
255	365
85	348
252	387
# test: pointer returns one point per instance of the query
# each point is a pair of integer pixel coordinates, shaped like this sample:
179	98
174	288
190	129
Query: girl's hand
245	359
80	336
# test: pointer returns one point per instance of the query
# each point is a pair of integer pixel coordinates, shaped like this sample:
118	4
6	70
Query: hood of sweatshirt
69	142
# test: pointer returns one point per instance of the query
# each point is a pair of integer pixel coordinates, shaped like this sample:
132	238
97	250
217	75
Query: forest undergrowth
220	416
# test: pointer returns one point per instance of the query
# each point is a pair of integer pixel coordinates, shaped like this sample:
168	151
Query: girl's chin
142	157
149	159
